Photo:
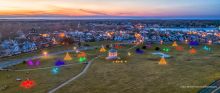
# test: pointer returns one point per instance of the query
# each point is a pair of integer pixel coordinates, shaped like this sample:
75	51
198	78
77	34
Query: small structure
139	51
112	54
179	48
102	49
32	63
162	61
55	70
27	84
67	57
192	51
82	57
129	53
194	43
166	49
174	44
59	63
81	54
206	48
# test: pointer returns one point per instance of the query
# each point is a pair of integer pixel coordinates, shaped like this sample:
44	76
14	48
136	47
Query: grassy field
141	74
44	79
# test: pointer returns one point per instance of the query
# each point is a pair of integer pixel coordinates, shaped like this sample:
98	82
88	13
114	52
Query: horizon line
106	17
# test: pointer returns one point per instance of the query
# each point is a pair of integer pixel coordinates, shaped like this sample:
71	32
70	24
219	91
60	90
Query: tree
67	41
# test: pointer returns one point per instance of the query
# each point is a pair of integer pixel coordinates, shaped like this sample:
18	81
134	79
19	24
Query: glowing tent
162	61
67	57
194	43
179	48
27	84
102	49
166	49
207	48
174	44
82	57
59	63
81	54
192	51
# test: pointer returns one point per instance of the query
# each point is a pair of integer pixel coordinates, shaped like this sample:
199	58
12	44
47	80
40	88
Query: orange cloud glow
109	7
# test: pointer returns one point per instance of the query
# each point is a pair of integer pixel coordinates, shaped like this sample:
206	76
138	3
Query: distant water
186	29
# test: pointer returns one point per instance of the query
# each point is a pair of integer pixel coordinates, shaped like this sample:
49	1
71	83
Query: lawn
45	79
141	73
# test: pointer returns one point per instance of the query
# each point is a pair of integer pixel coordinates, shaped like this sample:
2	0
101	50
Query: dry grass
142	74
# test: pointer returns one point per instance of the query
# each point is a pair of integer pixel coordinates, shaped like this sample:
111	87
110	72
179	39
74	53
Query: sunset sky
143	8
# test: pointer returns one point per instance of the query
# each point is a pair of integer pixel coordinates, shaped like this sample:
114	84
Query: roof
112	50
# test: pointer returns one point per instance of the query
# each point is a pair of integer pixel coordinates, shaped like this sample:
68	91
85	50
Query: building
112	54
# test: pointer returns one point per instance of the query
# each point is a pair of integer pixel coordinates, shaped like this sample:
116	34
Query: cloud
94	12
53	10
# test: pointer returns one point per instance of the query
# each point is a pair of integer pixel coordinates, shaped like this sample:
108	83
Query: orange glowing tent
67	57
81	54
174	44
192	51
102	49
162	61
179	48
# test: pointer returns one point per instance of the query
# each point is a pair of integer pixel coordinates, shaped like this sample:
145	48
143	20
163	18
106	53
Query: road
74	78
6	64
80	74
10	63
